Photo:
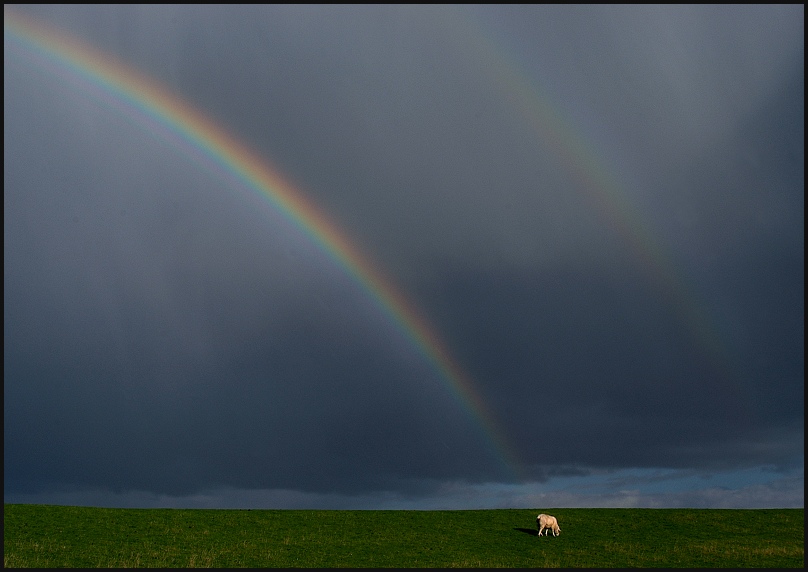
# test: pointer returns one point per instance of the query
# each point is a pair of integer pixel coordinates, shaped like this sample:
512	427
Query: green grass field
58	536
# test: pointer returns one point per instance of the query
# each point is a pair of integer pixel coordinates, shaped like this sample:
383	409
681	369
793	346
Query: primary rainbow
151	102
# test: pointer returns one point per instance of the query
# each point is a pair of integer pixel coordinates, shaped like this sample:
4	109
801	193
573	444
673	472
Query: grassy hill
57	536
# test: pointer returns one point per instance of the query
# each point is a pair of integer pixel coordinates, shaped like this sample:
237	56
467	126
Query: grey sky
598	209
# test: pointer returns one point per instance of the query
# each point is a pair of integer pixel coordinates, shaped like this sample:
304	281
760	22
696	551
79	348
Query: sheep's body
549	523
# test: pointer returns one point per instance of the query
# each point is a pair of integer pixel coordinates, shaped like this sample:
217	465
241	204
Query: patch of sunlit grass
52	536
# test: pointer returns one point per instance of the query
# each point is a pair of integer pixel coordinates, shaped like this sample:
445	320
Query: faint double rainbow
603	189
150	103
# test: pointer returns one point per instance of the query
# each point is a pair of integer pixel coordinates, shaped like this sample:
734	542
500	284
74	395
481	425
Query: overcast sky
597	211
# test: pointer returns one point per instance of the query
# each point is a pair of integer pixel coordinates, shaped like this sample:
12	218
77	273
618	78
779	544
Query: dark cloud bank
171	340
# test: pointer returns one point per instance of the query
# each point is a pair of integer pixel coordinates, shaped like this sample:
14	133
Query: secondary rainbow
150	102
603	189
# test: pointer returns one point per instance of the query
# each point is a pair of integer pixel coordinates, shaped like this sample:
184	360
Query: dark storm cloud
168	334
146	327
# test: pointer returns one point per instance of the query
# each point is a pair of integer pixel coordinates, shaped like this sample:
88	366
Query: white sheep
545	521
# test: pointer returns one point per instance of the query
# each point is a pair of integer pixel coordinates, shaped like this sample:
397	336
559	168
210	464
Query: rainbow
152	104
604	190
